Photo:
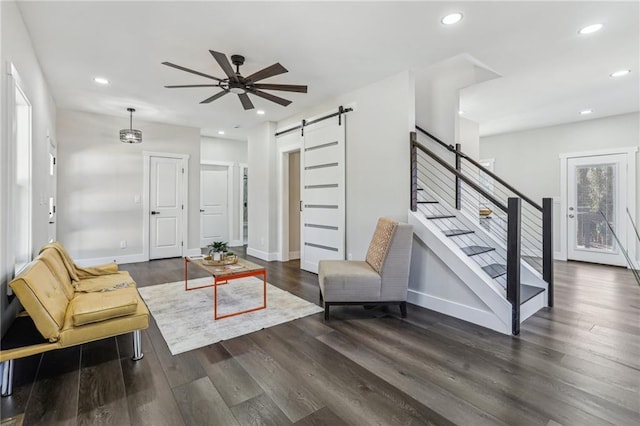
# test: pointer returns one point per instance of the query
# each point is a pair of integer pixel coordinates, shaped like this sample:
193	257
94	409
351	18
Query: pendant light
130	135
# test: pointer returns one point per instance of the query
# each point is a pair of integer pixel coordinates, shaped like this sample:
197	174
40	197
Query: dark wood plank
102	398
201	404
322	417
531	391
352	392
227	375
179	369
149	395
260	410
24	374
445	403
291	396
57	387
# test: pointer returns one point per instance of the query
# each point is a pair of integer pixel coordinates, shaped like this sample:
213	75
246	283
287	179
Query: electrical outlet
123	244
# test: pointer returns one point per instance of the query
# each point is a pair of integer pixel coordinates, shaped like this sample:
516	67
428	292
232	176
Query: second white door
214	204
165	207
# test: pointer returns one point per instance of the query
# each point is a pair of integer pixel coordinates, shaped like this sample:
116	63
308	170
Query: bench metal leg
7	377
137	346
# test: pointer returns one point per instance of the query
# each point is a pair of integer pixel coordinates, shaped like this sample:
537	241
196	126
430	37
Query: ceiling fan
242	86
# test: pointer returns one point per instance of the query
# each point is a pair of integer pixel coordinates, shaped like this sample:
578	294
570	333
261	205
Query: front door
214	208
166	206
322	184
596	192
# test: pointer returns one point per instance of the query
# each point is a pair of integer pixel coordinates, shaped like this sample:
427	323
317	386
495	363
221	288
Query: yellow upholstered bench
69	310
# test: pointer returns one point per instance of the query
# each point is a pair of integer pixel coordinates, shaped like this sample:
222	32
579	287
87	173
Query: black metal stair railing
523	226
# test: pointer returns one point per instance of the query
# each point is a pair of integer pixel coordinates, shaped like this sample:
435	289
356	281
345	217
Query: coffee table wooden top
242	267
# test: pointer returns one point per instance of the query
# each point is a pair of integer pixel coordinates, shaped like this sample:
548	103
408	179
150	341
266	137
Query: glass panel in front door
595	195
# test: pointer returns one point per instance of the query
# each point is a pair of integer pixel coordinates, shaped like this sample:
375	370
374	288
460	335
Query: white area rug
185	318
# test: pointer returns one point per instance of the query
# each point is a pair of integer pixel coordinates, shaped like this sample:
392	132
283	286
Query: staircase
494	270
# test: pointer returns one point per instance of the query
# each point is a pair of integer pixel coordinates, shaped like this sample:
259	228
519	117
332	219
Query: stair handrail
458	174
497	178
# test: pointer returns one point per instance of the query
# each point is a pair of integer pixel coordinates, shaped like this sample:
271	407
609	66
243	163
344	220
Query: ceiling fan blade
283	87
270	97
214	97
224	63
192	85
267	72
178	67
246	102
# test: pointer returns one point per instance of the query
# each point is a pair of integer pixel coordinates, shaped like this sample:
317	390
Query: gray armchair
382	278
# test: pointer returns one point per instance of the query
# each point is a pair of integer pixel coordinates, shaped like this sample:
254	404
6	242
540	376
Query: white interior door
214	208
322	221
596	185
166	206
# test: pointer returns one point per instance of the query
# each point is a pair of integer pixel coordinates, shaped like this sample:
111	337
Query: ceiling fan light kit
130	135
239	85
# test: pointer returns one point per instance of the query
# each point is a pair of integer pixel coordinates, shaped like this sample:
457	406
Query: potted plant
217	250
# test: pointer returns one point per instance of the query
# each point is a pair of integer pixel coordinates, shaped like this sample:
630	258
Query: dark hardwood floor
575	364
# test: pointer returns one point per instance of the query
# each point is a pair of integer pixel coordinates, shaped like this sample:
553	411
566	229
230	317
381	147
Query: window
20	152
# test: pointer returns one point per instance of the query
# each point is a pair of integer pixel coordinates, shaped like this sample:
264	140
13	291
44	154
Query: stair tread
440	216
529	292
473	250
428	202
456	232
495	270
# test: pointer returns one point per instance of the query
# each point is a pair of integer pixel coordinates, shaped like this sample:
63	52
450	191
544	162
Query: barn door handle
154	212
300	205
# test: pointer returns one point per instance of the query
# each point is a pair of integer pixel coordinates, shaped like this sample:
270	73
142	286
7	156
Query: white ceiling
549	72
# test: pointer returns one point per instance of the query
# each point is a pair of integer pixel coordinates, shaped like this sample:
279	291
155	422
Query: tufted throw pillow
381	242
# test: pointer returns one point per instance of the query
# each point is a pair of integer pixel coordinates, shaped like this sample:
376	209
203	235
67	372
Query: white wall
377	154
214	150
99	179
529	159
262	192
16	48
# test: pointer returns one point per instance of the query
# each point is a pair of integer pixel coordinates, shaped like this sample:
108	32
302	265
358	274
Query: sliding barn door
322	220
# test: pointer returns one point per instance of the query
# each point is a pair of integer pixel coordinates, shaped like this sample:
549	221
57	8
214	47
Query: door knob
571	208
154	212
201	210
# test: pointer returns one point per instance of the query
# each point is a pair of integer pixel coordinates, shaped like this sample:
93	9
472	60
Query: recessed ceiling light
221	132
619	73
452	18
260	112
101	80
591	29
586	112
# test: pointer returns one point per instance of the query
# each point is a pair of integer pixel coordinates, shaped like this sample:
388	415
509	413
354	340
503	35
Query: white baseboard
262	254
193	252
486	319
294	255
128	258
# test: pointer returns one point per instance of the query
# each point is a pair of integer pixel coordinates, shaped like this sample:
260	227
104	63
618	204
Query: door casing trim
146	167
630	152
